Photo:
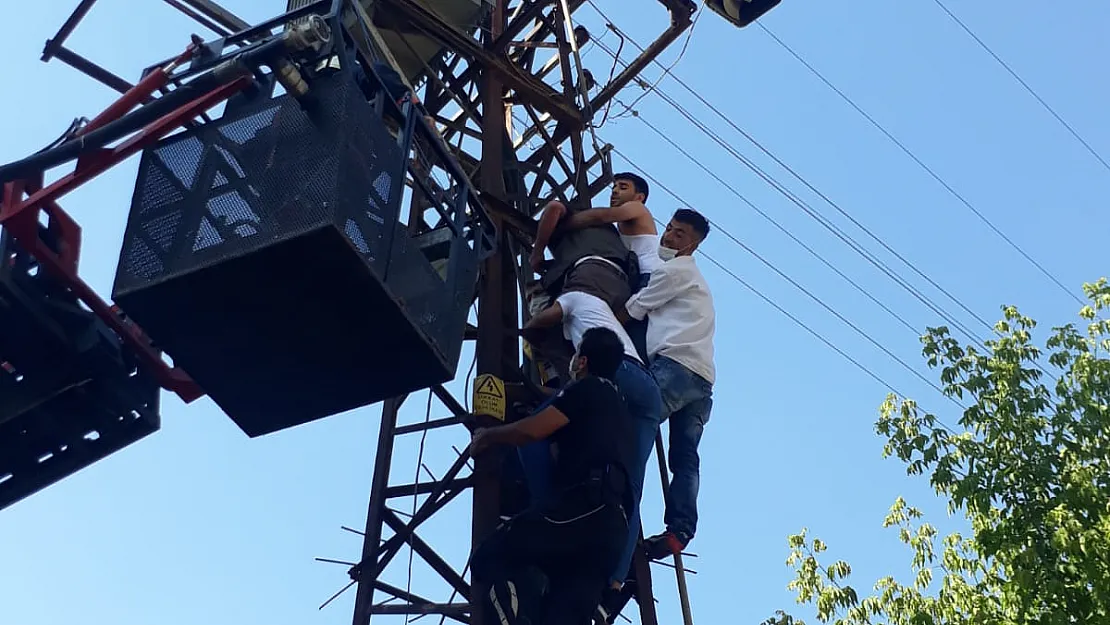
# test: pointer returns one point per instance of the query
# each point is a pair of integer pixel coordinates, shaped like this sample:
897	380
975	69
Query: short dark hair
603	350
638	183
694	219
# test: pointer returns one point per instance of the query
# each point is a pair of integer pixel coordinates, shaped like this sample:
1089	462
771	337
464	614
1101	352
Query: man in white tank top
632	218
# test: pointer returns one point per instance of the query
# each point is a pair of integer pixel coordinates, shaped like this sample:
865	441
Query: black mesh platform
263	254
69	396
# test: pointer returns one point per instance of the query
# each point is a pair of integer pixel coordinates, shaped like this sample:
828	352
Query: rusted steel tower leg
497	306
371	544
679	571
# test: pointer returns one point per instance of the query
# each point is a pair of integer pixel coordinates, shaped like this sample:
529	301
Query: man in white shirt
577	312
681	323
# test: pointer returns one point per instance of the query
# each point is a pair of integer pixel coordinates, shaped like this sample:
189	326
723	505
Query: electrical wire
838	232
612	72
415	482
828	343
583	90
847	239
828	225
775	223
771	302
786	277
74	127
929	170
979	342
786	313
870	373
1024	84
73	147
470	372
666	70
792	171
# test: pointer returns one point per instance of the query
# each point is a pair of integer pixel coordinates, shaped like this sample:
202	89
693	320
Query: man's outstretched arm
519	433
549	220
601	216
547	318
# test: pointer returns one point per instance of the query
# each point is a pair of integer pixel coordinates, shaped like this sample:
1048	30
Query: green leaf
1030	473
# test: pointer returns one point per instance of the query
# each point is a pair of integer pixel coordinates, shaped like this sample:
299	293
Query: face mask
667	253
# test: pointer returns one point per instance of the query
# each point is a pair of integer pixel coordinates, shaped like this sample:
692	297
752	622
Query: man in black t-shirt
551	563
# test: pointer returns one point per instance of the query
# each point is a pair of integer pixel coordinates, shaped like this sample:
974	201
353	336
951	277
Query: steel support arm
681	12
539	93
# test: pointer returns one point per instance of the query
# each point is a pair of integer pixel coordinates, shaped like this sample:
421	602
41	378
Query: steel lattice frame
494	69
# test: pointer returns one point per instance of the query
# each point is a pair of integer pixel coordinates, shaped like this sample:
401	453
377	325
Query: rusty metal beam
536	91
538	32
218	14
681	12
497	303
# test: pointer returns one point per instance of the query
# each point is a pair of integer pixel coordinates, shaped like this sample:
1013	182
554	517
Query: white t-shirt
681	316
582	311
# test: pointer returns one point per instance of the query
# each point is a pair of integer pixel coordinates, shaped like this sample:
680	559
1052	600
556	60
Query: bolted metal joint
310	34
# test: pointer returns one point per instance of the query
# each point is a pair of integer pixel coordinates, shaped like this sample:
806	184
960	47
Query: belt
601	258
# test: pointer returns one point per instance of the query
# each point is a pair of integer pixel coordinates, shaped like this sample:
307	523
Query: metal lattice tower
504	84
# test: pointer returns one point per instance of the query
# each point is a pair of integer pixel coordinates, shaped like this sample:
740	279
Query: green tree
1028	467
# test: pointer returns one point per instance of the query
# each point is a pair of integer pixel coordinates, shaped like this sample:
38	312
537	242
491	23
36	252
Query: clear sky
198	524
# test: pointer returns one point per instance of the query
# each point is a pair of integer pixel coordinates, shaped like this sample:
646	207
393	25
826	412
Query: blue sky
200	524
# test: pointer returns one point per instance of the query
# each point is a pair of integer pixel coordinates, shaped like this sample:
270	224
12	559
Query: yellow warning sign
489	396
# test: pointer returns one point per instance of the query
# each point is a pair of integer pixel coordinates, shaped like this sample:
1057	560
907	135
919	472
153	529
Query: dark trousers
637	328
553	562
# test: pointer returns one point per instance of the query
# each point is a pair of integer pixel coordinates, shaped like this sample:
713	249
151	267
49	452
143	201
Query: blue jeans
687	402
535	458
645	406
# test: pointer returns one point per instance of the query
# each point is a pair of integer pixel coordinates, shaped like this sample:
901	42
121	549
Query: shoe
612	602
514	601
666	544
505	602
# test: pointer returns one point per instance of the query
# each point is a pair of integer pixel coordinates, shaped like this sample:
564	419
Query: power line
666	70
772	220
733	238
789	279
802	324
1024	84
786	231
844	237
869	372
793	198
921	163
415	482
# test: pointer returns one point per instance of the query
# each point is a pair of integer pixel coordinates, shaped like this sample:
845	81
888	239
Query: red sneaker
666	544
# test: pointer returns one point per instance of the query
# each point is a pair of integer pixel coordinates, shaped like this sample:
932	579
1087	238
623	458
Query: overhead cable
779	187
786	277
1024	84
929	170
775	223
828	343
824	222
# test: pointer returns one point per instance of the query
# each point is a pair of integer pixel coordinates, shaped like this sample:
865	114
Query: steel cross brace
376	554
529	86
